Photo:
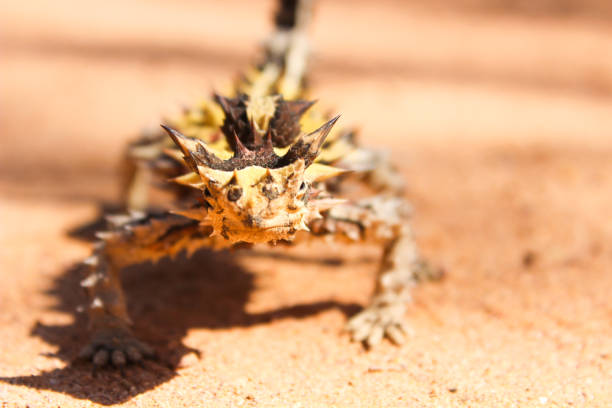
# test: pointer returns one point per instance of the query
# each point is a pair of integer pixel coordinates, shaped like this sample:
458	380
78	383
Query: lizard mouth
261	234
257	229
274	227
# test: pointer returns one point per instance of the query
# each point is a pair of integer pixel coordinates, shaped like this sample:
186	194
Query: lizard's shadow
165	300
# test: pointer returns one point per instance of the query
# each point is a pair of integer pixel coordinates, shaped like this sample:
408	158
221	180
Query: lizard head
258	195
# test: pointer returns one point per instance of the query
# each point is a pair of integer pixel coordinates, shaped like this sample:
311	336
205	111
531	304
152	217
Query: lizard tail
293	14
286	51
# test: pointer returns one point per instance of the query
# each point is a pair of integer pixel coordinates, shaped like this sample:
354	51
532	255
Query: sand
499	122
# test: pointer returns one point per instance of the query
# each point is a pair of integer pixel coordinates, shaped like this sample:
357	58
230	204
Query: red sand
500	123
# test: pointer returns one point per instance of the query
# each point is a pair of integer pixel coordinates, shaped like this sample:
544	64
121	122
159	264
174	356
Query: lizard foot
117	347
382	318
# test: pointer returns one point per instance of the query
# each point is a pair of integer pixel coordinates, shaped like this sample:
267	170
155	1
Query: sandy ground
501	123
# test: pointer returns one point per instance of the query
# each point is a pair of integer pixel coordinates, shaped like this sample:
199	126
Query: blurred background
79	79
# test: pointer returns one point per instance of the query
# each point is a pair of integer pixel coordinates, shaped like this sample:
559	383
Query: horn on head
196	152
307	146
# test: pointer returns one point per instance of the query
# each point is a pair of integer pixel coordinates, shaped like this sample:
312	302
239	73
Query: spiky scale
105	235
251	167
91	261
97	303
90	281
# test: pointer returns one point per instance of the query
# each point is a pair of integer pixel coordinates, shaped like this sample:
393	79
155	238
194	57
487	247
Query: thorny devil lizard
259	165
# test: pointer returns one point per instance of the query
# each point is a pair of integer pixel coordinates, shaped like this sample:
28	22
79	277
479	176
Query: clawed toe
372	331
377	322
116	349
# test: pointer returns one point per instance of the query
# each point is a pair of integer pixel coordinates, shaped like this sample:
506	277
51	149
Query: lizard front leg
383	220
384	316
112	340
133	240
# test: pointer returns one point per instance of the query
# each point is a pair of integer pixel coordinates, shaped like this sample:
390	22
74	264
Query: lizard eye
234	193
303	186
